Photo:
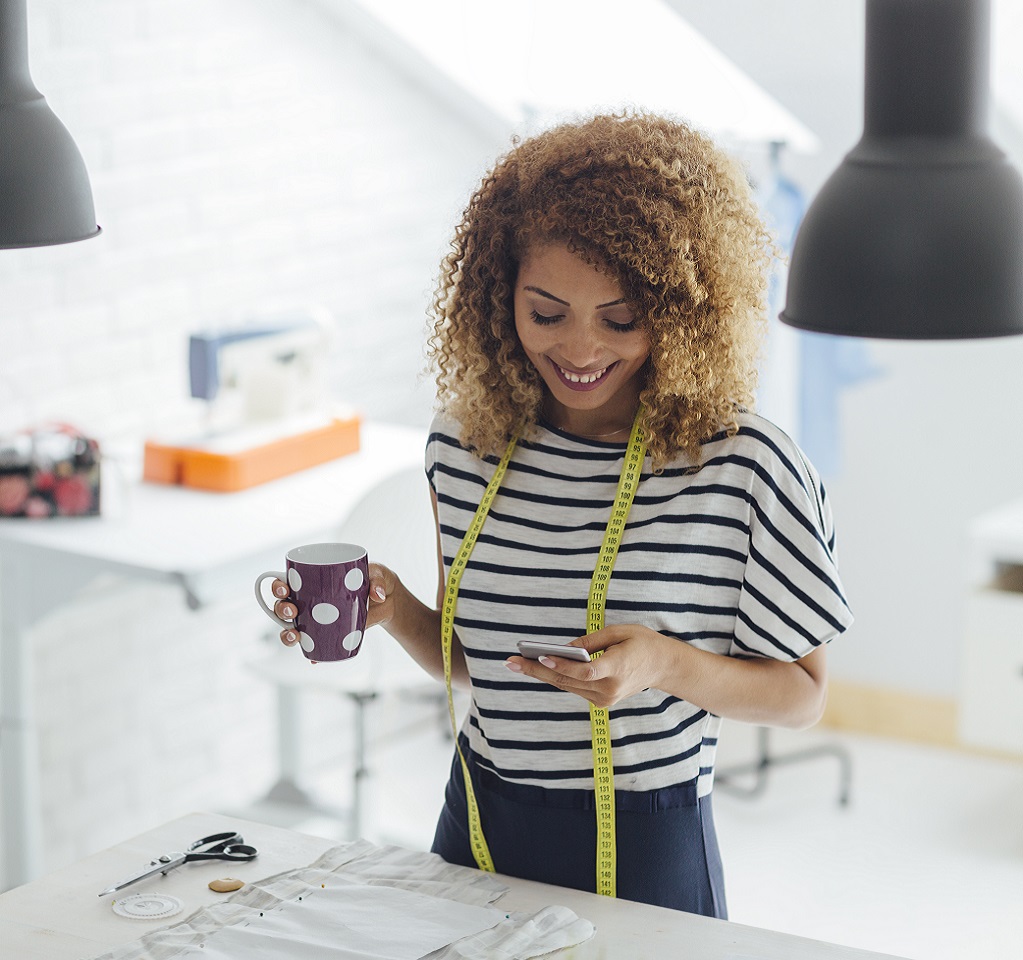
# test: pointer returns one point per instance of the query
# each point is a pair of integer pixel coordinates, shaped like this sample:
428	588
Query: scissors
218	846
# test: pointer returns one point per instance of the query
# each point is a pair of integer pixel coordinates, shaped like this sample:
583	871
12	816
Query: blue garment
667	853
827	364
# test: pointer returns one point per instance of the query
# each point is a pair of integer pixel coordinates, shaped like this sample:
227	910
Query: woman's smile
580	333
582	379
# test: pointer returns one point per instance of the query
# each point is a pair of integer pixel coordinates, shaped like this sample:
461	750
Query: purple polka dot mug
329	583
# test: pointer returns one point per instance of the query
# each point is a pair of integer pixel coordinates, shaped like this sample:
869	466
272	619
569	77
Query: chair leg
286	791
361	700
760	767
289	745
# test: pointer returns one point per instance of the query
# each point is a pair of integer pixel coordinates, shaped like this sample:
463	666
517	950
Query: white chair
394	521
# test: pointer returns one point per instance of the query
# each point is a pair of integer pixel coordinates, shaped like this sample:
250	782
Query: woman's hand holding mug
323	598
381	601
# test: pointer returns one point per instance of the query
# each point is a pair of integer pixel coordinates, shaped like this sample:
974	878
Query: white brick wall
243	153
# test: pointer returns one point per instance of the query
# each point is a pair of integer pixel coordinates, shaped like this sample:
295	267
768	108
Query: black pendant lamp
918	235
45	197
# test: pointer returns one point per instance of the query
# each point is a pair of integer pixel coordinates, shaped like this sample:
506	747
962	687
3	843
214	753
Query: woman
597	329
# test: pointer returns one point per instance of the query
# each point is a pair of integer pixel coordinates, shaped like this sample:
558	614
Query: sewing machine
268	411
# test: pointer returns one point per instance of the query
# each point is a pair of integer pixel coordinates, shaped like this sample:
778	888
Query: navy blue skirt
667	848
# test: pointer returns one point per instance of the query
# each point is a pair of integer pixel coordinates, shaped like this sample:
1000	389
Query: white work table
997	536
60	917
990	712
208	543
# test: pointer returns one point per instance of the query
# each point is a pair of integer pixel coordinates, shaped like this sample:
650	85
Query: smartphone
534	649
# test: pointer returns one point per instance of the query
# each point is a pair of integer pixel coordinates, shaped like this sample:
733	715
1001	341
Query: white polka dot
295	579
354	578
306	641
325	613
352	640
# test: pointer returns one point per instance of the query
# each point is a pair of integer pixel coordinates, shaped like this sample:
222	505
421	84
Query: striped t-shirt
736	558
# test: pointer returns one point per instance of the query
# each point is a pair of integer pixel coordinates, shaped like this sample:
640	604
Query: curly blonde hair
658	207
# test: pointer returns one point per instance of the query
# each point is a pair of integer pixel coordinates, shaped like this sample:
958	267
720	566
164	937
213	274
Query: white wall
929	446
934	441
243	154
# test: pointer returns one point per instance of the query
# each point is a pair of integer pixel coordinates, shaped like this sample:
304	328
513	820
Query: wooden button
226	885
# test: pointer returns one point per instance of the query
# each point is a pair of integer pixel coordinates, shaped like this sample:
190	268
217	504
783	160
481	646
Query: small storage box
49	471
225	471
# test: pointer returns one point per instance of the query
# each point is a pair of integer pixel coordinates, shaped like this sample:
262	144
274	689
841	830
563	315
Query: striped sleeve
441	431
791	600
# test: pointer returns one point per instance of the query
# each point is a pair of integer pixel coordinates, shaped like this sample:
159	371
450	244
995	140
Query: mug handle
259	598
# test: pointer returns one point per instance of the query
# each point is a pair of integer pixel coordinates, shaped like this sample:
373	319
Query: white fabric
347	921
362	902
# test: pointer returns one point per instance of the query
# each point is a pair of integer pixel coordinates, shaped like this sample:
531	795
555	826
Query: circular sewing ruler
148	906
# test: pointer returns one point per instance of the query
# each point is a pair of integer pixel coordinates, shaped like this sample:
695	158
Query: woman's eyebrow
550	296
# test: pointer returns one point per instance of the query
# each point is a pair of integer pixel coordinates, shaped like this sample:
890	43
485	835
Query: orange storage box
227	472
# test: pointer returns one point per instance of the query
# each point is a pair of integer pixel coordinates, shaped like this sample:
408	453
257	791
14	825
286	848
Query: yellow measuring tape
603	767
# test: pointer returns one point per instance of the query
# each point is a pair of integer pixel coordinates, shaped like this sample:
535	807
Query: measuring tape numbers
600	727
477	841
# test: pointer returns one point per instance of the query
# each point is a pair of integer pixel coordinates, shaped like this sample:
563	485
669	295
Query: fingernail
514	667
548	662
280	591
288	613
291	636
378	592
